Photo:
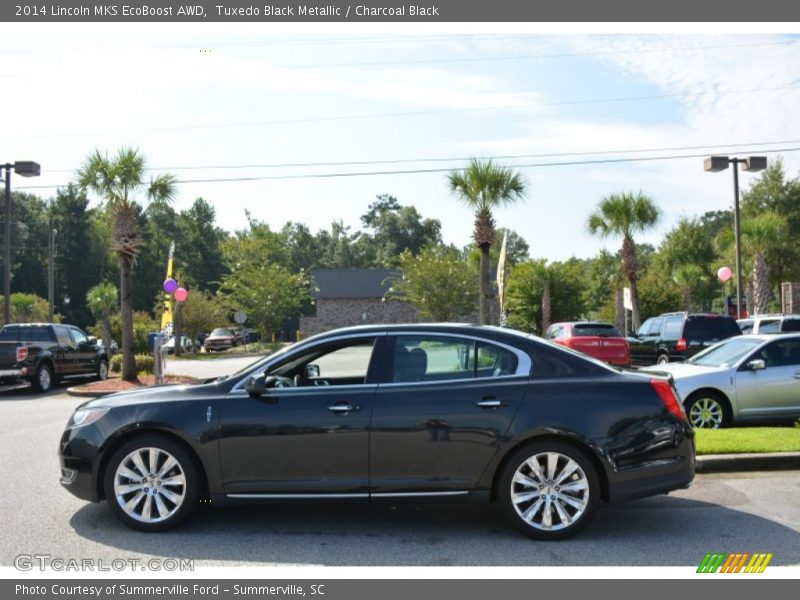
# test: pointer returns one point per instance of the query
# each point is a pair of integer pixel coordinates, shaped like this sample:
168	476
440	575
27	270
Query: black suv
673	337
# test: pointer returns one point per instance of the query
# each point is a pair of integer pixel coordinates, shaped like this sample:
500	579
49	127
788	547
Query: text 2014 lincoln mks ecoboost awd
389	414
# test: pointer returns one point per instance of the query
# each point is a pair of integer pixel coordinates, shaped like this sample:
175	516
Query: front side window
78	336
432	358
337	363
783	353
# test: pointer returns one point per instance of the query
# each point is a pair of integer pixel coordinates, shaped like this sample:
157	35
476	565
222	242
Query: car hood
158	393
682	370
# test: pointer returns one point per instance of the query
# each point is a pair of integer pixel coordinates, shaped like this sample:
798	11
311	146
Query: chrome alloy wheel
550	491
706	413
45	380
150	485
102	371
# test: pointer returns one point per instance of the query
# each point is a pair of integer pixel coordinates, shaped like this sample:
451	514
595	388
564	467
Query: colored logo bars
734	562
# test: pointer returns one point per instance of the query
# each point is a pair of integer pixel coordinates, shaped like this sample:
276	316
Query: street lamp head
716	163
754	163
27	168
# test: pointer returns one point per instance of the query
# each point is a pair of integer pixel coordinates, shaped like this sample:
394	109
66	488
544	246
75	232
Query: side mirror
256	385
312	371
756	365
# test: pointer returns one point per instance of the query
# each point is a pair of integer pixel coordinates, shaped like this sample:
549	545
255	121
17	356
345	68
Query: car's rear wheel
102	369
43	379
152	483
549	490
707	410
663	359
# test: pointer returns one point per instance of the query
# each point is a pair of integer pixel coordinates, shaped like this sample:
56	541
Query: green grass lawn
741	440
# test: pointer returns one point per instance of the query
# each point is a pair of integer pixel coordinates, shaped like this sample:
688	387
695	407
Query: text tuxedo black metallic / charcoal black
389	414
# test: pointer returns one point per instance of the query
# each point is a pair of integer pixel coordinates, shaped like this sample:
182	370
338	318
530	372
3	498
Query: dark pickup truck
44	352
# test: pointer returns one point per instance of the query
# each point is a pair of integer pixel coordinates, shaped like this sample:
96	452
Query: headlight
85	416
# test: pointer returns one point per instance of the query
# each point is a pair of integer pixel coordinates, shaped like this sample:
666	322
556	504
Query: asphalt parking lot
746	512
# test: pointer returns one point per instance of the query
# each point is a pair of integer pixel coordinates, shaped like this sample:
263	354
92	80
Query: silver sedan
742	379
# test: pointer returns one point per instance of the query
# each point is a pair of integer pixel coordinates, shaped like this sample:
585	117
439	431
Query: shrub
144	363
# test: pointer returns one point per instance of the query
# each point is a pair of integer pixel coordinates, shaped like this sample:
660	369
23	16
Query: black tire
102	369
43	379
186	464
703	407
663	359
561	529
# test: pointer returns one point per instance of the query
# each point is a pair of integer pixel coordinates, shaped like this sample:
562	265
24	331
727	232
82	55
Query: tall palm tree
119	180
484	186
760	234
543	276
687	277
102	300
623	215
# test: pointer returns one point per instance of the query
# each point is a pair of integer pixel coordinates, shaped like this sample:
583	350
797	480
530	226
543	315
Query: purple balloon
170	285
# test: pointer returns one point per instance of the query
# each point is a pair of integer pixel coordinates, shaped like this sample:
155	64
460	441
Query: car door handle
489	403
342	408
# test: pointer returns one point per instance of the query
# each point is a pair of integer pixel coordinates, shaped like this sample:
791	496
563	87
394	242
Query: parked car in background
599	340
389	414
251	336
221	338
771	323
676	336
186	344
743	379
41	353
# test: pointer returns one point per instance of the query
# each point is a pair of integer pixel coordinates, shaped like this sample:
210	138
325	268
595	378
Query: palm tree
622	215
687	277
102	300
543	276
119	180
484	186
760	234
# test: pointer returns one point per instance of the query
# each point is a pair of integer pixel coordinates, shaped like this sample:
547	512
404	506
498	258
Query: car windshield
725	353
595	329
221	332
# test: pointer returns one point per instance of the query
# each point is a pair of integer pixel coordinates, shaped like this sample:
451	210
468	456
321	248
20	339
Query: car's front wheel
152	483
707	410
549	490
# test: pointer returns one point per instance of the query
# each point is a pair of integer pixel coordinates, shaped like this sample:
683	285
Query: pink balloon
181	294
724	273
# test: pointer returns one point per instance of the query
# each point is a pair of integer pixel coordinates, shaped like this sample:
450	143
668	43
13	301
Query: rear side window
595	330
35	334
710	328
555	363
791	325
9	334
62	335
769	326
672	329
494	361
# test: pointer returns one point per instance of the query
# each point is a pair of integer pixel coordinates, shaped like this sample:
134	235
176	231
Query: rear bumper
13	373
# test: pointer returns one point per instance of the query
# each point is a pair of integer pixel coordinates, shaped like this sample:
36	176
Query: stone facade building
345	297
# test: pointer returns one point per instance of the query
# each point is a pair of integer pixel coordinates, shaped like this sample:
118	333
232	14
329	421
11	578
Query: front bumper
78	460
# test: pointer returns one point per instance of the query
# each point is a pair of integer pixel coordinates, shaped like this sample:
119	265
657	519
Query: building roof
351	283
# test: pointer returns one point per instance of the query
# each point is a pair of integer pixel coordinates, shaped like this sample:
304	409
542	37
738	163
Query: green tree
102	300
623	215
762	235
26	308
30	238
198	244
120	180
484	186
688	277
203	312
438	282
397	228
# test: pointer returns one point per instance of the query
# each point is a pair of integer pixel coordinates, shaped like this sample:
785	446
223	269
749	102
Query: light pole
751	164
26	168
51	275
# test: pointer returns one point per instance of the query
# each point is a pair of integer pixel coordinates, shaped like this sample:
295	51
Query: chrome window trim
296	496
524	363
418	494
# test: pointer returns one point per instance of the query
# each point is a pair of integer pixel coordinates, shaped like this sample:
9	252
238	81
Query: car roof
765	336
470	329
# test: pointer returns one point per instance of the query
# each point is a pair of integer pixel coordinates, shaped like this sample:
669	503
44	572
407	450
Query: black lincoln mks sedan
389	414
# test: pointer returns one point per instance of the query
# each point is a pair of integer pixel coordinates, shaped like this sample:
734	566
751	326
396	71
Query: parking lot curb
73	391
731	463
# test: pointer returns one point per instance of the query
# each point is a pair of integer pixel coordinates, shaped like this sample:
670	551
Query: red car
602	341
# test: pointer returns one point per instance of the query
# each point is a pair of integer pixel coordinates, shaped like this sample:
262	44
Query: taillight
667	396
22	353
680	344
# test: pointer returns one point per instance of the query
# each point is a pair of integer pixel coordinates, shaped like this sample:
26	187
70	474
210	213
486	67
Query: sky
226	102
